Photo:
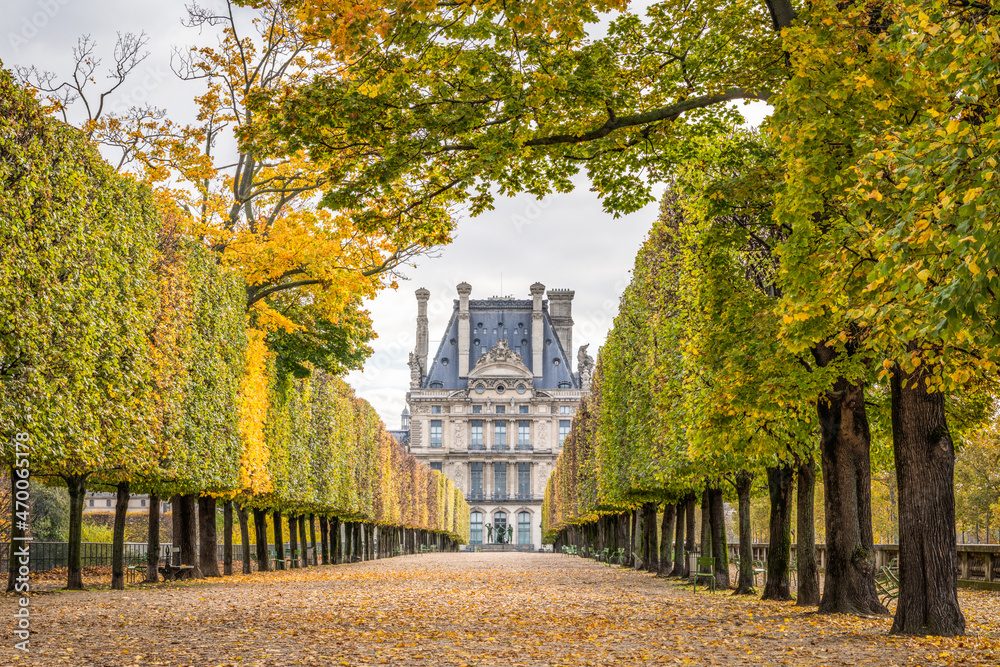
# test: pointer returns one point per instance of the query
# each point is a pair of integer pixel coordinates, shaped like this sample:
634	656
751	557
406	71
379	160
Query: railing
473	448
501	496
475	496
524	496
501	448
523	448
977	563
45	556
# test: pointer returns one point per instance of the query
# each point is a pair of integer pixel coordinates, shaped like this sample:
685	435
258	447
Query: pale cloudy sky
565	241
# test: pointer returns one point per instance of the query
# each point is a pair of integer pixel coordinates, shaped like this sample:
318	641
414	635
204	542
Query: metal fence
45	556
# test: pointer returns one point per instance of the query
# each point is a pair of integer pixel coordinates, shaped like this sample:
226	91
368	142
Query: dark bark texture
692	507
153	541
241	514
279	541
208	538
189	534
807	574
303	546
720	545
679	559
118	538
260	533
925	471
650	555
77	487
666	535
227	538
779	550
294	550
17	531
744	484
845	446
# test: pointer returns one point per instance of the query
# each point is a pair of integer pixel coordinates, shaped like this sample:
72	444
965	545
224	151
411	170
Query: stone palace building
491	408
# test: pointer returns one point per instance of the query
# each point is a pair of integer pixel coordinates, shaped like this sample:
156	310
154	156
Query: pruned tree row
129	358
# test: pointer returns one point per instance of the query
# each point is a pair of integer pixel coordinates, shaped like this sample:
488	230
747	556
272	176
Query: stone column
423	337
464	341
537	329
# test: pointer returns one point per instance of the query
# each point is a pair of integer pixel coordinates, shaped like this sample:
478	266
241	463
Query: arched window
476	528
500	527
523	528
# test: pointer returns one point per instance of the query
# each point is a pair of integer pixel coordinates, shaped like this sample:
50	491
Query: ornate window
501	389
523	409
500	433
437	465
477	409
480	388
435	409
564	426
524	480
476	479
476	528
523	528
499	481
477	432
523	433
436	433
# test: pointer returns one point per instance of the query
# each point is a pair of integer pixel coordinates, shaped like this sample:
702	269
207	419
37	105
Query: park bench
887	582
699	573
279	564
172	572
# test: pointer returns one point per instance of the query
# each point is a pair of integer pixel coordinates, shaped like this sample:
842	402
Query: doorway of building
500	527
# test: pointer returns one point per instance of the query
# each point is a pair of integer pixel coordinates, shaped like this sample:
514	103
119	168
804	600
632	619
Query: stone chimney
561	314
537	329
464	290
422	334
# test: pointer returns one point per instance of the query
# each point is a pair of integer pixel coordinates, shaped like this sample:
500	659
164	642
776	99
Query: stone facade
491	408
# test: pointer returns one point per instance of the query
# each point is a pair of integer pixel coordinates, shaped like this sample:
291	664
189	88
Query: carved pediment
501	361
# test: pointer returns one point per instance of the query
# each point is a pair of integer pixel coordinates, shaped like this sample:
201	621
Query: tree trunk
807	573
312	537
720	545
153	541
706	525
636	540
666	533
227	538
279	541
77	487
692	507
358	554
925	471
651	554
324	538
260	534
779	548
19	547
241	514
845	445
294	551
118	538
175	529
745	583
189	534
679	559
208	549
302	541
335	544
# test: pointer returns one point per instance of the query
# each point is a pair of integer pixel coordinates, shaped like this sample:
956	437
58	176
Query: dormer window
565	385
444	361
555	362
437	385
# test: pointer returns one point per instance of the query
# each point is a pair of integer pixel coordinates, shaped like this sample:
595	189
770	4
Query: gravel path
466	609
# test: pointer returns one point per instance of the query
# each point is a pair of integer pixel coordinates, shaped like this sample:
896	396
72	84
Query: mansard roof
493	320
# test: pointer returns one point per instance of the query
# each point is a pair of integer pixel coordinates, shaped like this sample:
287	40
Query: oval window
480	388
520	389
500	389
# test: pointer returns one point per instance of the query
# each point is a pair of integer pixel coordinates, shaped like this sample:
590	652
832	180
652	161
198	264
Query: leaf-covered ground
469	609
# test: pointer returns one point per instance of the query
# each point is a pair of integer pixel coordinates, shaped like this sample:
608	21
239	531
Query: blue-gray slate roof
491	320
